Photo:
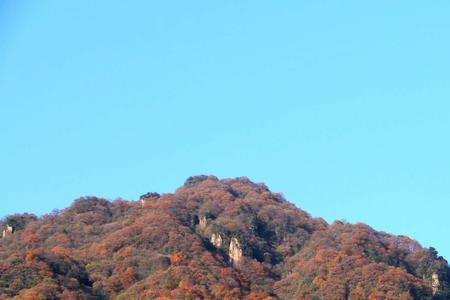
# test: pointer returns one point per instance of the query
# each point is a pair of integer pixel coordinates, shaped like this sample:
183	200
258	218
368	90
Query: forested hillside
211	239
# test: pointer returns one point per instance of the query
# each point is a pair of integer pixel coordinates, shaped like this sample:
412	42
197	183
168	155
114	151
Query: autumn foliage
162	248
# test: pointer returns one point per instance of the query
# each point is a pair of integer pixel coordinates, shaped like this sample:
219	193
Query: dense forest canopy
211	239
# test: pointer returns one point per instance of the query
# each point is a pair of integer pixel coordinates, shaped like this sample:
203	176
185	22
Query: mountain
211	239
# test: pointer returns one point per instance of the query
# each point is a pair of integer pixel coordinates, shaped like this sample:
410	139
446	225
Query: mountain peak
211	239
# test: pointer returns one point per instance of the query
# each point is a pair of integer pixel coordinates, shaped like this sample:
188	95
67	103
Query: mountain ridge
210	239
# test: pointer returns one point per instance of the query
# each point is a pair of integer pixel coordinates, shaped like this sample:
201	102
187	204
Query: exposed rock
7	231
216	240
203	222
435	283
235	251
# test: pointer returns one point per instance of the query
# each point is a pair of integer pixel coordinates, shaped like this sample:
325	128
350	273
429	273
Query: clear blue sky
344	106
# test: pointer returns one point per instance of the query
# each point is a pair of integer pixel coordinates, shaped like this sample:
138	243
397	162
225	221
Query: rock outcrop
216	240
203	222
235	252
435	283
7	231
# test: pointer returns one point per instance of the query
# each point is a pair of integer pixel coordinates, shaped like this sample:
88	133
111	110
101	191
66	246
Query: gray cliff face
216	240
7	231
203	222
235	251
435	283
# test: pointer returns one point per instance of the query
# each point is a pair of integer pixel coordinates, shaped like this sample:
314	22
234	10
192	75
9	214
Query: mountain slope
211	239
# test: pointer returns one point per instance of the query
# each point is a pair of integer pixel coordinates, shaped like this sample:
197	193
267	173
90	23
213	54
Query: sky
343	106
